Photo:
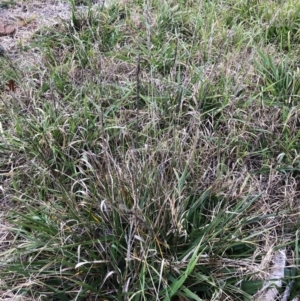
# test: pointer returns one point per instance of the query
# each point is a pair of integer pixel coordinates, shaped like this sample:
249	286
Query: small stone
6	29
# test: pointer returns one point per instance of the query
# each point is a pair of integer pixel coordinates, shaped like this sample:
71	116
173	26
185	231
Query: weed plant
153	153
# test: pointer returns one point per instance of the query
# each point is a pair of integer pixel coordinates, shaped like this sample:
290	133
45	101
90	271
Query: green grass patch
152	153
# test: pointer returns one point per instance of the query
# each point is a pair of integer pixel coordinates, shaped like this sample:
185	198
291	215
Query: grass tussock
152	153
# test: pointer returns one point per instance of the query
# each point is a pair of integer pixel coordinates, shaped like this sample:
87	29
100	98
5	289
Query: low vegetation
152	153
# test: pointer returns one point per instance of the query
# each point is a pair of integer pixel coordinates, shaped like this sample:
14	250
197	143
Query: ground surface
24	18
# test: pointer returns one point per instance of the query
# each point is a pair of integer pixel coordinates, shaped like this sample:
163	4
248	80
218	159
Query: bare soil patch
19	22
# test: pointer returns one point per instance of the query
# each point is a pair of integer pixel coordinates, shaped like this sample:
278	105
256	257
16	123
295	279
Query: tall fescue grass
152	154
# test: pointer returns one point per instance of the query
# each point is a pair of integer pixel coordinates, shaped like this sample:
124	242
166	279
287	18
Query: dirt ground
25	18
18	22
